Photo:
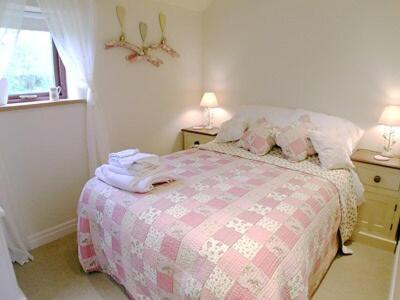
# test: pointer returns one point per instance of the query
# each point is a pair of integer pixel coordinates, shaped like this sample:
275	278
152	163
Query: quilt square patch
154	239
286	208
177	197
177	211
250	216
260	209
202	268
232	262
239	292
137	248
118	213
165	282
239	225
266	261
253	279
258	234
177	230
150	273
219	283
193	219
269	224
186	257
149	215
277	246
227	235
247	247
170	247
213	250
288	236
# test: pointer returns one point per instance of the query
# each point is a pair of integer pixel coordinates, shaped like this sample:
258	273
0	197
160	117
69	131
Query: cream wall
338	57
147	106
44	151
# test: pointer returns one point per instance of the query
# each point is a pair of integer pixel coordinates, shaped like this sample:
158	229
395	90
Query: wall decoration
142	52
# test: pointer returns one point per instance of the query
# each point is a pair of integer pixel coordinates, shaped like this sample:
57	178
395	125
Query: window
35	66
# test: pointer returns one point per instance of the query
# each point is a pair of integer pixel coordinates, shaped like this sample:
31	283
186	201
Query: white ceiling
197	5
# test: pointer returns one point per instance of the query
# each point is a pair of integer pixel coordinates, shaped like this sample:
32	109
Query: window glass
31	68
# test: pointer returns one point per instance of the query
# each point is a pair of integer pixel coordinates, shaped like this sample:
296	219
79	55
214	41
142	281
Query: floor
55	274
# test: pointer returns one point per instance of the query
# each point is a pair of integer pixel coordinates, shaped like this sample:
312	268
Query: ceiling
197	5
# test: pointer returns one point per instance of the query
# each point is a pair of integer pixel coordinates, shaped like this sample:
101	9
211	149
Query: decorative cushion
259	137
294	139
231	130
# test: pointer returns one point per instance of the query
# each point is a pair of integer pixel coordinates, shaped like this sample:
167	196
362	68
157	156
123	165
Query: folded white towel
142	183
124	153
141	159
134	170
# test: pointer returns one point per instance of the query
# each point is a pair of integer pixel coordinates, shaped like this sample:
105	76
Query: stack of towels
134	171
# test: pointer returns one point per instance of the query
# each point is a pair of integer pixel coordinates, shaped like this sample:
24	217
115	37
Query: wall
339	57
44	151
147	106
45	148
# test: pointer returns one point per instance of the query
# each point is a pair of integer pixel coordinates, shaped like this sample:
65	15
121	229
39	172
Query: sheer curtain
11	15
72	25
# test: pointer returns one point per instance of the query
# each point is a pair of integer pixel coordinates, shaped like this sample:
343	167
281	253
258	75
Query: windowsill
37	104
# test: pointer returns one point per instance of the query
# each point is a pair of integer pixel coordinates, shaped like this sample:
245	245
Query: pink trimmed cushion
294	139
259	137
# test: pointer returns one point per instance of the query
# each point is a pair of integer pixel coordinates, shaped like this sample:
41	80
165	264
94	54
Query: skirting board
48	235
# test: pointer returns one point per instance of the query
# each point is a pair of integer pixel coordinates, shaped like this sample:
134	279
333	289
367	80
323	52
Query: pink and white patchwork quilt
229	228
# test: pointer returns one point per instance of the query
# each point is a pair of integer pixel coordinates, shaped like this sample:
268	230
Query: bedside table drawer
191	140
379	177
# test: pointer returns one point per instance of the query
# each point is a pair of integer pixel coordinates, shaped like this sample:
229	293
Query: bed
233	226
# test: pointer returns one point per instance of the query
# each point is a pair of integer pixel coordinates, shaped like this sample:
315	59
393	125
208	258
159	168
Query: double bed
233	226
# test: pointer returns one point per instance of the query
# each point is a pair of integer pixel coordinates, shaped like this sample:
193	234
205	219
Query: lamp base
209	127
387	154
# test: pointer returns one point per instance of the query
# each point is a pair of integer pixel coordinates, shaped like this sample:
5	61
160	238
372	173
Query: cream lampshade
209	101
390	118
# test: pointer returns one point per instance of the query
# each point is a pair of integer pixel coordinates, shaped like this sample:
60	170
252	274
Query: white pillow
231	130
278	116
331	151
336	127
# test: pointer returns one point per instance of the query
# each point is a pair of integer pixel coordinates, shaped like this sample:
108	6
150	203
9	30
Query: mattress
233	226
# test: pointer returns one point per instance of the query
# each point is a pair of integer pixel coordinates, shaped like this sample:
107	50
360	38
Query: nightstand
378	216
194	137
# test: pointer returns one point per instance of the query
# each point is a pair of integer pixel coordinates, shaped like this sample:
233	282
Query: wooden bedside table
194	137
378	216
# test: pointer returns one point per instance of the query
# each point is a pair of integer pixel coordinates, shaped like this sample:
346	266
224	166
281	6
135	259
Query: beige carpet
55	274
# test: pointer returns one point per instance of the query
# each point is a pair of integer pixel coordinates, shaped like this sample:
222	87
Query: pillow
335	126
294	140
331	151
231	130
259	137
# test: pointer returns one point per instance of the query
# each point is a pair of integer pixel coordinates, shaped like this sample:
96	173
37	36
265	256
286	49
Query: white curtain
11	16
72	24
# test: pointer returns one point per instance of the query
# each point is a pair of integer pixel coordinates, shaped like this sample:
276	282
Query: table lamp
209	101
390	118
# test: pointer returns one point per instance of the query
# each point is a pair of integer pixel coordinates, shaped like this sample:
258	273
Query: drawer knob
377	178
